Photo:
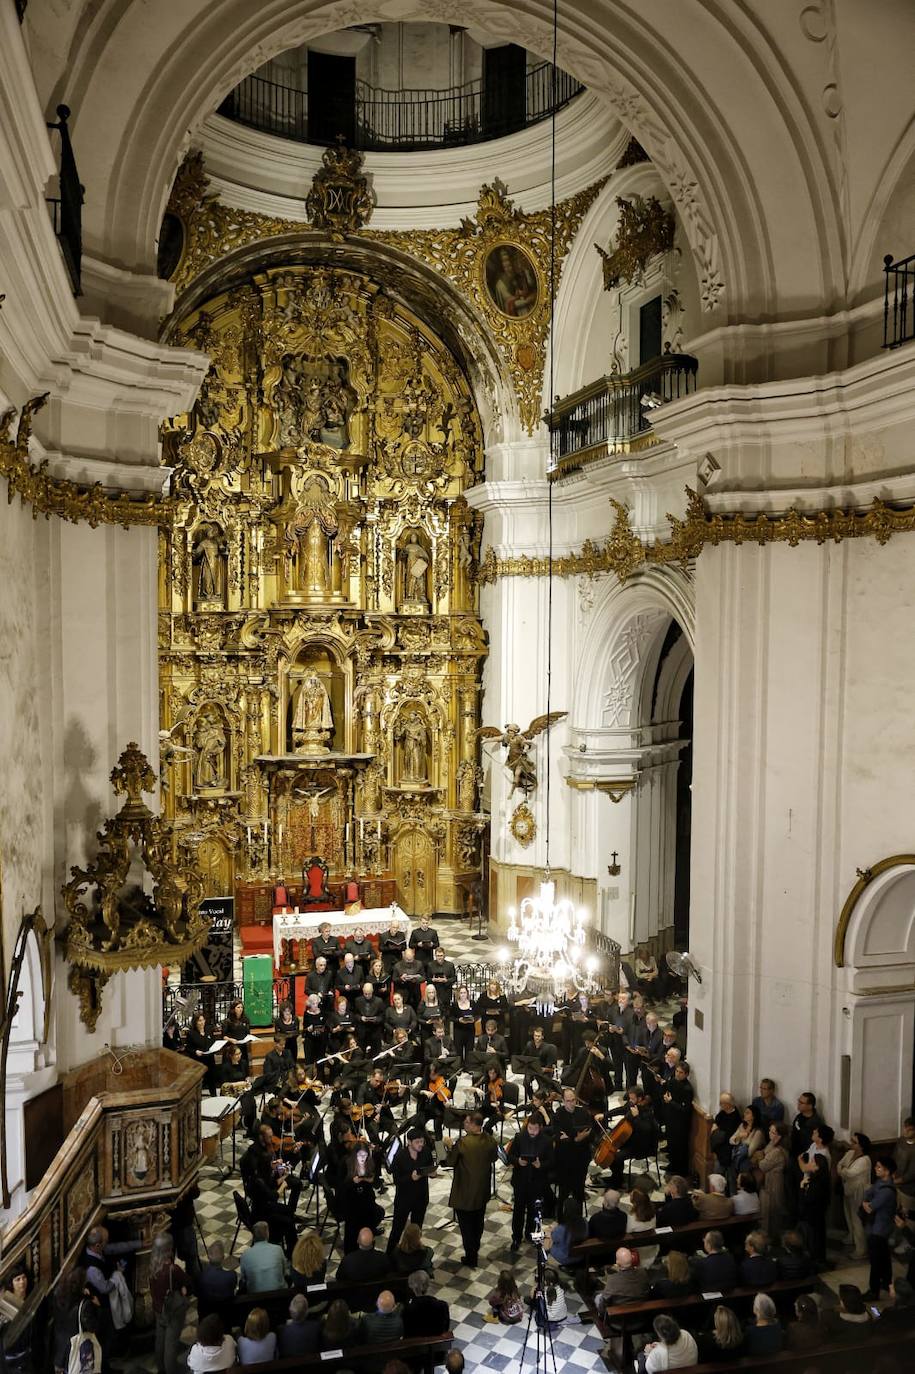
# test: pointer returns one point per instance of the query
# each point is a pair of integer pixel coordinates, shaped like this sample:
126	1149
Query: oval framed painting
511	280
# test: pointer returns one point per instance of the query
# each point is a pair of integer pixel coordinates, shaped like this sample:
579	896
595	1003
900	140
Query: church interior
456	821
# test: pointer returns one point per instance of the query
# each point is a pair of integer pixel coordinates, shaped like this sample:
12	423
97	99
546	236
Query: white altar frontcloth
301	925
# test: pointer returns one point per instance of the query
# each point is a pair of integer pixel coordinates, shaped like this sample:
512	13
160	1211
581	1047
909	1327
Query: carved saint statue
414	738
314	564
415	565
517	744
313	721
210	749
208	555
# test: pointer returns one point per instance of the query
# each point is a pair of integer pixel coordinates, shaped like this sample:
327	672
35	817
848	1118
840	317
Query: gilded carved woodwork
116	925
624	554
78	503
645	230
320	647
500	260
340	200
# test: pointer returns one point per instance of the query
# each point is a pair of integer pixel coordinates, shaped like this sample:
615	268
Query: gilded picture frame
511	280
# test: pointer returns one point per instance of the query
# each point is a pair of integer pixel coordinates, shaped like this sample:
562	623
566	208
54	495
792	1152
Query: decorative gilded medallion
523	826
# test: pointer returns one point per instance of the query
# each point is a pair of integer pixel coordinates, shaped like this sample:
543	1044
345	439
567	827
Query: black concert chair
244	1215
511	1097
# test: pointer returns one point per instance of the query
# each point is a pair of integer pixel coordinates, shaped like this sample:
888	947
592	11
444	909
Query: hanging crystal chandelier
549	936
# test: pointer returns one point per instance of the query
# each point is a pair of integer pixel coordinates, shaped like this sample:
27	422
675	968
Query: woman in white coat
855	1172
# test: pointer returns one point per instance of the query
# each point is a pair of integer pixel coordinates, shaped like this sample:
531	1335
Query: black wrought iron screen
898	301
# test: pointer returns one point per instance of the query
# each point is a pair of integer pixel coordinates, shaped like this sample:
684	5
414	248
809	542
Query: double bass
590	1089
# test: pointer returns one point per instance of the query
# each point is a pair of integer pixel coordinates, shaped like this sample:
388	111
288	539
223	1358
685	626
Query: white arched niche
879	959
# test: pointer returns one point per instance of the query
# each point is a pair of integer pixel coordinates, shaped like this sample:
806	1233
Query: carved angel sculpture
517	744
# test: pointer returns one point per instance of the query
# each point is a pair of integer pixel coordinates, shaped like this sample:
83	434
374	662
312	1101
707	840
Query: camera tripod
543	1336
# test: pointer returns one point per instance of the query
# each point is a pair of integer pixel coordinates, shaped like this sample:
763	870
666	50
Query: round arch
694	126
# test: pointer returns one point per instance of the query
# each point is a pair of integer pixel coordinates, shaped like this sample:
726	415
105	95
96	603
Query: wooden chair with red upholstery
314	876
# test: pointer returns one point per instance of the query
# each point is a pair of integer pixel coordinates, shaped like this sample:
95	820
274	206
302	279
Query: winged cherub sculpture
517	744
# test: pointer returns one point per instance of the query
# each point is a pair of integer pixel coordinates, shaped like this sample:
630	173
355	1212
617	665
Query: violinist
314	1032
542	1057
412	1168
375	1093
643	1142
622	1026
357	1195
320	982
271	1190
492	1093
393	944
530	1154
443	976
368	1010
433	1098
573	1126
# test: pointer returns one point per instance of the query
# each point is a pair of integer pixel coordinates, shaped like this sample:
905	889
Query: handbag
175	1304
85	1351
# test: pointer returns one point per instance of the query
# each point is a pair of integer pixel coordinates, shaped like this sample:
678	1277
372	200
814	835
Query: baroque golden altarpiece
320	648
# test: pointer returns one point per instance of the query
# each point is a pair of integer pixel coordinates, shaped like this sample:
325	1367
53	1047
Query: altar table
301	925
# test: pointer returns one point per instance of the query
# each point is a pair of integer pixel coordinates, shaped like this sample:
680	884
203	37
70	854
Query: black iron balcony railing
613	414
399	121
898	301
67	205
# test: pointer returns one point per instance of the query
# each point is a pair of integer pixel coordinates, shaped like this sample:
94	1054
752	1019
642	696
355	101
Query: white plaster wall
803	739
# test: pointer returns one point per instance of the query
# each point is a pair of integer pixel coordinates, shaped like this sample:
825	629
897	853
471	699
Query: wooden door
415	870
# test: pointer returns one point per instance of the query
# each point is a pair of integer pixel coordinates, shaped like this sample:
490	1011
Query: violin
438	1088
366	1109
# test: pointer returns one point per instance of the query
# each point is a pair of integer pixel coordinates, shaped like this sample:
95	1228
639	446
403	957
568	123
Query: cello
611	1142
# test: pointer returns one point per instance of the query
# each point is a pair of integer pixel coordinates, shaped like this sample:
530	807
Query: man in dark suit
759	1269
320	981
442	973
622	1028
301	1335
424	939
716	1271
424	1315
327	946
472	1160
408	976
609	1224
542	1055
677	1210
368	1015
365	1264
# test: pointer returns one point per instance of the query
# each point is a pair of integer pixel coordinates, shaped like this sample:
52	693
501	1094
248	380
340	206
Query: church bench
420	1352
841	1358
598	1252
360	1297
620	1321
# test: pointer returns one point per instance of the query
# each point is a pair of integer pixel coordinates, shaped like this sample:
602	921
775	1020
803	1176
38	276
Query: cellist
643	1142
588	1073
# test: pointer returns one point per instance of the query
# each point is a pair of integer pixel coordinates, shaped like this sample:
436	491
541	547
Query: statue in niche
210	751
337	402
306	537
313	720
209	557
314	401
416	563
414	739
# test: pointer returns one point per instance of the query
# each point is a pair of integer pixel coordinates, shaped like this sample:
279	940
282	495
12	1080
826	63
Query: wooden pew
621	1320
734	1229
417	1351
843	1357
360	1297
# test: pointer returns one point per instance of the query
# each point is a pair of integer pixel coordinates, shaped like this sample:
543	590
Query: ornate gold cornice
463	256
865	877
91	505
623	553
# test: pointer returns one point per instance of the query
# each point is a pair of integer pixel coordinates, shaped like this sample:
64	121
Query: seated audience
258	1344
300	1335
385	1323
715	1271
626	1282
424	1315
715	1205
309	1262
263	1265
571	1231
764	1335
641	1218
793	1260
851	1319
340	1327
746	1199
676	1284
213	1349
454	1362
216	1285
410	1254
609	1223
505	1301
365	1263
677	1208
724	1341
758	1270
674	1349
899	1314
806	1331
